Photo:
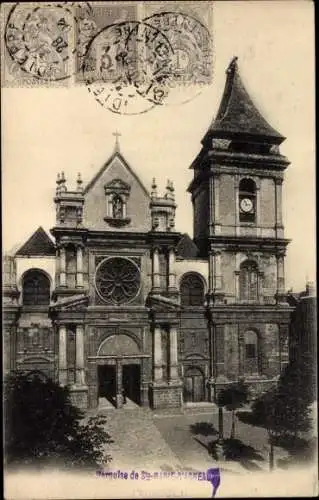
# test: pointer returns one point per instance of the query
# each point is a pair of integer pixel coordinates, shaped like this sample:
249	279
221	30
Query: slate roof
237	113
38	244
186	248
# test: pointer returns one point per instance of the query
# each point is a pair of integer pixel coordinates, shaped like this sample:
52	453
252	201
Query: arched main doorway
119	370
194	385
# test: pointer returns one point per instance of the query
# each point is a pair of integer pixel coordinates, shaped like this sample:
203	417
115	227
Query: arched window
192	290
117	207
247	200
248	281
36	288
251	353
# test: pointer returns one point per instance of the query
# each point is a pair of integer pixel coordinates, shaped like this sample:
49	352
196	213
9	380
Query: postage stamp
142	52
38	42
165	58
90	23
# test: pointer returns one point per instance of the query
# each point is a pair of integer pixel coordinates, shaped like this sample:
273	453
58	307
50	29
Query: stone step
206	407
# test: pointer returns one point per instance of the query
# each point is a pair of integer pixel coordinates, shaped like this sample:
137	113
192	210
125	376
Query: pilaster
62	266
156	270
62	355
79	265
80	376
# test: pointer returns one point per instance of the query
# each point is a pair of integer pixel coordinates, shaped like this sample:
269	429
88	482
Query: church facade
119	304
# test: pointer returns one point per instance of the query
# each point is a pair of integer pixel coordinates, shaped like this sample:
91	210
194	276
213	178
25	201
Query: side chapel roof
186	248
38	244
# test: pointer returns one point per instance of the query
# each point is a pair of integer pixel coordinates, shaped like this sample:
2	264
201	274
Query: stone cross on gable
117	143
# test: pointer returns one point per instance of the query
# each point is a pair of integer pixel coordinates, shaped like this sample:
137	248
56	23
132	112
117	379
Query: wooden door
194	388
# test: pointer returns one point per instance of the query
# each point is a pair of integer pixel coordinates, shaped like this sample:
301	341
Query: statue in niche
117	207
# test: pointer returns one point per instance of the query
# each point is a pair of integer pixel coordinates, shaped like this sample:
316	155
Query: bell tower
237	198
237	203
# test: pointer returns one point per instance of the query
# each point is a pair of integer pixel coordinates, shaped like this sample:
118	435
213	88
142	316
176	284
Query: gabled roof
38	244
116	154
237	114
186	248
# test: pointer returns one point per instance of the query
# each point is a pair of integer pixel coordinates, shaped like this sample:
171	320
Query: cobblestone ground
137	442
144	440
190	436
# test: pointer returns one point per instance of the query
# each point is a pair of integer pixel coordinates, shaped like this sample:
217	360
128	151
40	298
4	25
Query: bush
43	427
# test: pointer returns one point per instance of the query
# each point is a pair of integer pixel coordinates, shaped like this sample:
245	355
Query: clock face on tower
246	205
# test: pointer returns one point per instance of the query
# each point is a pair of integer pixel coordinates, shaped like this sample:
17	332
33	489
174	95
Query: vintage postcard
159	272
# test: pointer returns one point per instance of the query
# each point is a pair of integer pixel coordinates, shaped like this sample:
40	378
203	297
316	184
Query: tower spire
237	114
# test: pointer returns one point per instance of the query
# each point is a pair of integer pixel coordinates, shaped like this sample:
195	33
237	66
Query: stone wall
166	396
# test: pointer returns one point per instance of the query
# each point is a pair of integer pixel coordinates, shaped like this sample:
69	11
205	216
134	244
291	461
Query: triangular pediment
116	180
116	158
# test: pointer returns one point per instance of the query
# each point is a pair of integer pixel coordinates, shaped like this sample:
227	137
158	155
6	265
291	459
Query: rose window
117	280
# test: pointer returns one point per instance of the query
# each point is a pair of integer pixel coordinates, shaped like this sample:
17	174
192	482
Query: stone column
80	355
57	266
62	266
216	189
280	278
218	271
278	197
237	223
119	386
156	270
260	277
237	274
7	351
237	290
171	269
241	353
283	345
62	355
79	266
173	354
158	354
212	365
258	212
124	208
211	271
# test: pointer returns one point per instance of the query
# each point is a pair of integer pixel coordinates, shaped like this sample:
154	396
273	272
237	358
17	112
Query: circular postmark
40	39
126	67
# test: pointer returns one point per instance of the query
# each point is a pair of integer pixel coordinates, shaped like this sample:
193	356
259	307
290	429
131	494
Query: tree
43	427
296	391
266	413
233	397
285	410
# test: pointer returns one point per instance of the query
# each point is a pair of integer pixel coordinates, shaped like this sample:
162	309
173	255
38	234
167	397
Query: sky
47	130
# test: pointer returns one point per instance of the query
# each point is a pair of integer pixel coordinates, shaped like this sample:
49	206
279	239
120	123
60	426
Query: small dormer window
117	193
